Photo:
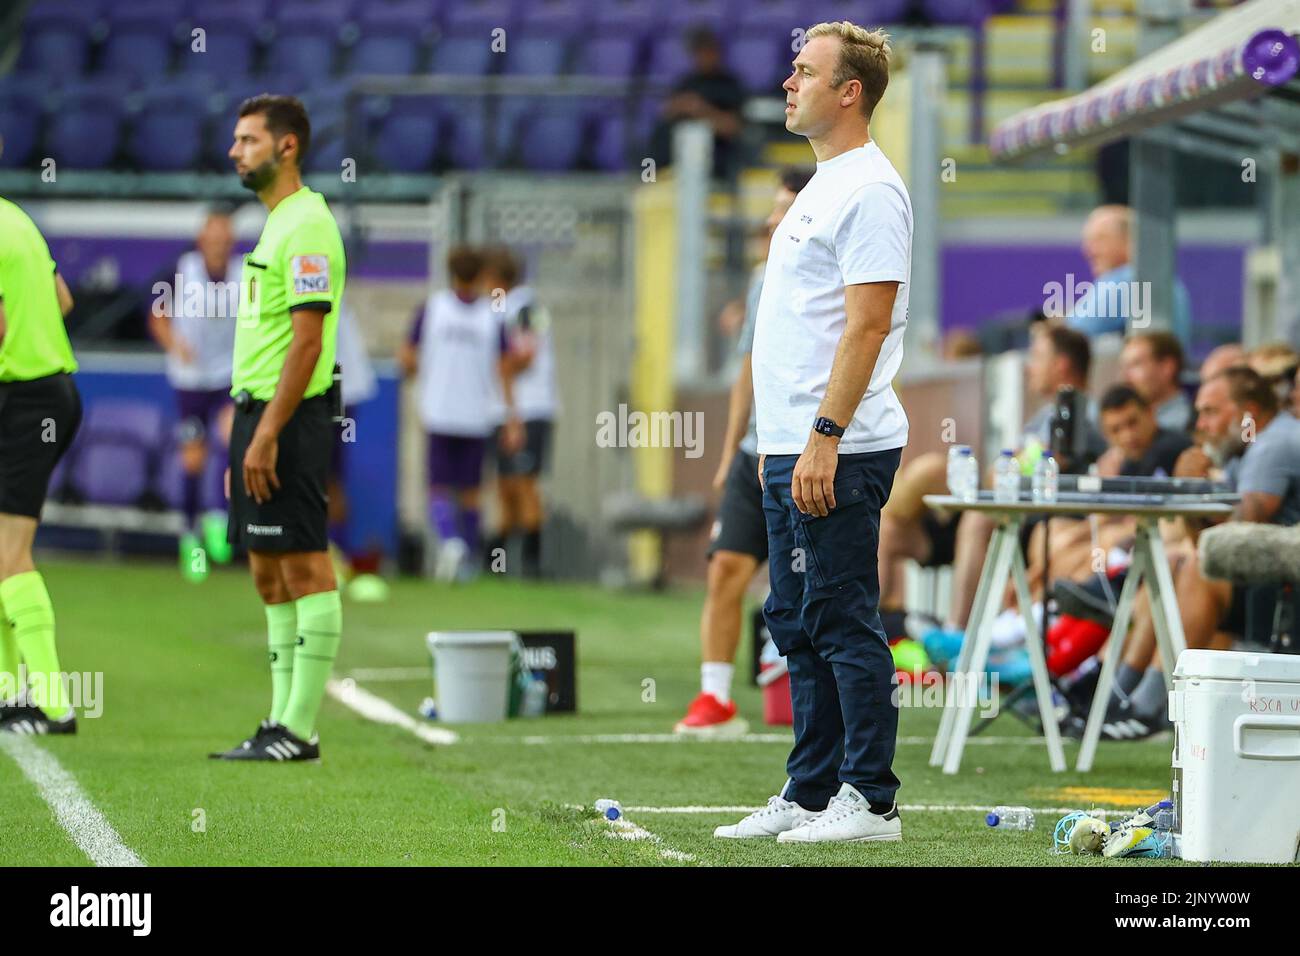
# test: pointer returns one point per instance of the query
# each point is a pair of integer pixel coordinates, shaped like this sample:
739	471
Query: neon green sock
31	616
9	659
320	626
281	637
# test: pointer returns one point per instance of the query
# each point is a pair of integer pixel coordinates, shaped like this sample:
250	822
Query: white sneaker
847	819
778	817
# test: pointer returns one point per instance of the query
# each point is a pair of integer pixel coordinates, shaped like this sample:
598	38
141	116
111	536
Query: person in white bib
196	329
827	345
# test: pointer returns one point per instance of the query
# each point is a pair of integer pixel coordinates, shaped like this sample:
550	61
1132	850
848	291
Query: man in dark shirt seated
710	92
1137	447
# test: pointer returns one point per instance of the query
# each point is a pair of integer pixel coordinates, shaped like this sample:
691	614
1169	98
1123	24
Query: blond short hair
864	56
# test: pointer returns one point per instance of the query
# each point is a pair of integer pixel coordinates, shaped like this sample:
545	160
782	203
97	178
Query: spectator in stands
195	326
1257	445
1277	364
1220	358
1058	357
1139	448
1109	302
1152	362
710	92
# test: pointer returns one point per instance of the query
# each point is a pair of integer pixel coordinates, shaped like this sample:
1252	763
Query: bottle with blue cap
609	809
1010	818
1006	477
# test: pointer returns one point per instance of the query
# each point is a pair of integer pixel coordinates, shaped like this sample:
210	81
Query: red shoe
709	717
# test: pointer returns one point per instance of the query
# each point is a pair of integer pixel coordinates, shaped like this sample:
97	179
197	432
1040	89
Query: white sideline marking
543	739
373	675
625	829
905	807
374	708
85	825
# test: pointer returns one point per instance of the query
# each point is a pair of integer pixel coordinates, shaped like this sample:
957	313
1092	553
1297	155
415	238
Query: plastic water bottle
1006	477
609	809
957	469
1163	815
1046	478
970	478
1010	818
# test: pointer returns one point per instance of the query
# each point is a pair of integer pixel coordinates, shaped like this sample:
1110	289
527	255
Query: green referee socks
9	660
320	625
281	637
31	616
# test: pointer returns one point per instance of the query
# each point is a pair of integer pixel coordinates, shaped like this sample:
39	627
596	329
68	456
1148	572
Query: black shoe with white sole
275	743
1123	722
28	719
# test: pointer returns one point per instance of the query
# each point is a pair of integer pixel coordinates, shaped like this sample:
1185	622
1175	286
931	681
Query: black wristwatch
826	426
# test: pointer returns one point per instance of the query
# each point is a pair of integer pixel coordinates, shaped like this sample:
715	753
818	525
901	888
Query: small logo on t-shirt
805	218
311	274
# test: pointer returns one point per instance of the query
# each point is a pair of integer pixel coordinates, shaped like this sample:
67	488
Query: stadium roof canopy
1198	89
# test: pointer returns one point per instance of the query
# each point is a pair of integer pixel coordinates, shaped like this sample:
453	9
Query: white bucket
1237	755
472	670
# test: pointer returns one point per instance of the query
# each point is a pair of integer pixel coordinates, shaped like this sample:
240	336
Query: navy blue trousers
824	617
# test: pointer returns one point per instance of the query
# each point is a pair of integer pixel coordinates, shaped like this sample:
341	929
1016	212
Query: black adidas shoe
1123	722
243	751
28	719
274	742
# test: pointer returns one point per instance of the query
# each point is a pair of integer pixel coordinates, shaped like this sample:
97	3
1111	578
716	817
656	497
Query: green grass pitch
185	673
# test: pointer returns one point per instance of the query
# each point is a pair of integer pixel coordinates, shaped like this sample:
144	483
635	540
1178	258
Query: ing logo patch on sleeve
311	274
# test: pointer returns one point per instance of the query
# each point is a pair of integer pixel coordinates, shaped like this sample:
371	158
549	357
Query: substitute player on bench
39	414
283	435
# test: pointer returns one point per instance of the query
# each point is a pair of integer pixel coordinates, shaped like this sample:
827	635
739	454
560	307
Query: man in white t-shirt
828	343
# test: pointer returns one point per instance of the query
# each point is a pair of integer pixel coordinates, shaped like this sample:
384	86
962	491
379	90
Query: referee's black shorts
741	525
38	420
294	518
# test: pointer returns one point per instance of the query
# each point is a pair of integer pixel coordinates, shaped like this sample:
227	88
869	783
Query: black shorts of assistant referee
740	525
38	420
294	518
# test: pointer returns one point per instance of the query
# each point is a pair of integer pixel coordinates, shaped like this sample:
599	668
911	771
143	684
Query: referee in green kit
40	411
283	430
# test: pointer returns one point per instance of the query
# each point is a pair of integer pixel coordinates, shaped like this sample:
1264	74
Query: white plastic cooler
1236	761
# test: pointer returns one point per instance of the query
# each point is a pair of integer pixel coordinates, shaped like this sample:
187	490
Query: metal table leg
940	749
1170	639
1114	653
964	711
1038	664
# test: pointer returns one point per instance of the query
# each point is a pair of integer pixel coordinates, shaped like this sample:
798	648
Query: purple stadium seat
126	421
778	17
479	17
140	39
390	54
552	17
876	13
307	37
326	104
20	111
716	14
669	59
167	134
633	18
465	54
955	11
56	36
551	141
109	473
231	39
619	140
609	56
760	61
477	142
535	56
84	124
406	138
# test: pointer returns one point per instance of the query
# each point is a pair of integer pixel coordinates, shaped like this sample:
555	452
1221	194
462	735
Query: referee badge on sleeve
311	274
